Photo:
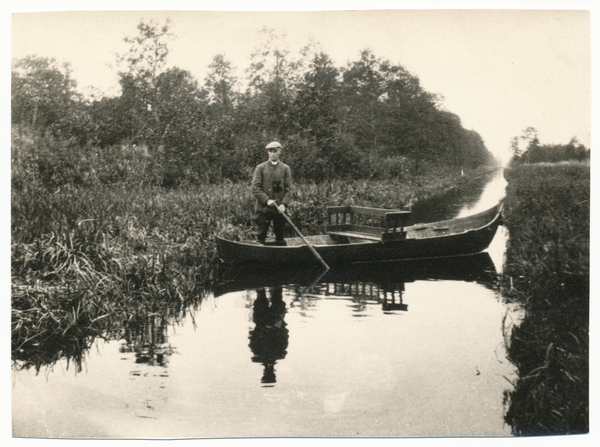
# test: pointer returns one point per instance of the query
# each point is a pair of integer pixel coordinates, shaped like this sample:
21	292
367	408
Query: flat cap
273	144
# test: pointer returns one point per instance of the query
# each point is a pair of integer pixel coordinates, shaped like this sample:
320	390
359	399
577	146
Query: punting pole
317	255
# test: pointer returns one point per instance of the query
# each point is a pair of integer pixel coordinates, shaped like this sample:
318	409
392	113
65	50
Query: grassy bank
547	271
95	246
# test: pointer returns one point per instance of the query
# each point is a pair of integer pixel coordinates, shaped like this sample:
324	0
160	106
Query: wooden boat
358	234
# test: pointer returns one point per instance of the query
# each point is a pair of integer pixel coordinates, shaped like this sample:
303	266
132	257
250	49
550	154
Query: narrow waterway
398	349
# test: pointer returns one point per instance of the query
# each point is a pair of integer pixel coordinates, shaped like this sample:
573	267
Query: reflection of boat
390	296
475	268
348	243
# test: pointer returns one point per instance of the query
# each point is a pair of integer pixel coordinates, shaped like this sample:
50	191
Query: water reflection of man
269	339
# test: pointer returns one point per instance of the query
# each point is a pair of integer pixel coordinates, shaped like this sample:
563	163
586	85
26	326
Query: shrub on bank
52	163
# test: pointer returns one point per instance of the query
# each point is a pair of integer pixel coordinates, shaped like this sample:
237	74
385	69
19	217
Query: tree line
368	119
527	148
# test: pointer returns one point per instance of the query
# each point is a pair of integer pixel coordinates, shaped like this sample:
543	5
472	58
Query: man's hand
280	208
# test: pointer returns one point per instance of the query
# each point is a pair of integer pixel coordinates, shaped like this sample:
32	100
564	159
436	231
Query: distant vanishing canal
396	350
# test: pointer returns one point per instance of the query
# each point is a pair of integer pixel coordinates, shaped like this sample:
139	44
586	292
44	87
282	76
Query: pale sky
500	70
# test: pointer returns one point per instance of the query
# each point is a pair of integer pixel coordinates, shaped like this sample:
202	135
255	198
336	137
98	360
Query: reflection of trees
69	335
148	340
269	338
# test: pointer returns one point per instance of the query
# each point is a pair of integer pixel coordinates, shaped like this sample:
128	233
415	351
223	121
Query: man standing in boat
272	187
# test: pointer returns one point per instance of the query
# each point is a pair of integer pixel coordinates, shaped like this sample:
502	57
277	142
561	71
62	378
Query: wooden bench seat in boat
376	224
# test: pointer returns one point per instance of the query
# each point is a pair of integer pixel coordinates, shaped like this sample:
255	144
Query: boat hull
455	237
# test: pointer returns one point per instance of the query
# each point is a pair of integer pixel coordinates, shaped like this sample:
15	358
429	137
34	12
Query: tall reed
547	272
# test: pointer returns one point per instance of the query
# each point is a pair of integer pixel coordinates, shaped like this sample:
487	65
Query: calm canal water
396	350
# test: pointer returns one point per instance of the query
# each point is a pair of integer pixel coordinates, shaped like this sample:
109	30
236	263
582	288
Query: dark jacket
272	182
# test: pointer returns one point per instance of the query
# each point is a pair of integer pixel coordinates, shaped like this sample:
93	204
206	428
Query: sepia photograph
243	222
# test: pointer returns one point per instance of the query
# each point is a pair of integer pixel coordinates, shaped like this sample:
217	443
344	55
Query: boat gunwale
496	208
466	218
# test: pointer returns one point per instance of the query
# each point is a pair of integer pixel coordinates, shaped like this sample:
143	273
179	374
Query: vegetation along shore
90	255
547	211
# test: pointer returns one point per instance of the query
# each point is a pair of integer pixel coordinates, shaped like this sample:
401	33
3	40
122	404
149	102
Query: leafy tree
182	144
409	121
389	113
221	126
110	125
362	89
272	82
180	108
316	108
521	144
475	153
42	92
317	103
221	82
142	64
76	124
271	61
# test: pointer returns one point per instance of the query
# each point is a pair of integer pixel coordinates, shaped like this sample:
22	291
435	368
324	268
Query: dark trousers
263	220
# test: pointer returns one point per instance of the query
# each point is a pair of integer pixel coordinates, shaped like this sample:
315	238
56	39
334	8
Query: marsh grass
547	271
95	245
